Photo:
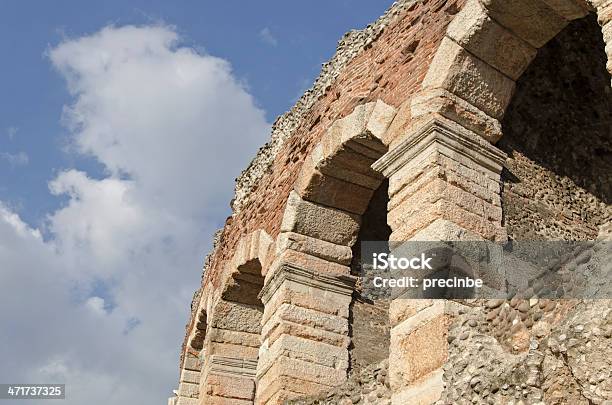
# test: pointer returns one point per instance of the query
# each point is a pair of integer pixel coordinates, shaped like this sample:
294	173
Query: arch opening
558	136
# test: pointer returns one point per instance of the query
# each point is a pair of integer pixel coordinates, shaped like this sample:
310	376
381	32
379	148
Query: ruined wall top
348	47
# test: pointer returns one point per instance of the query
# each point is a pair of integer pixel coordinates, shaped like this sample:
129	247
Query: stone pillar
228	375
189	383
305	330
444	184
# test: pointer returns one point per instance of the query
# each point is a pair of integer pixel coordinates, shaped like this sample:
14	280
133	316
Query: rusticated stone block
461	73
237	317
473	29
310	219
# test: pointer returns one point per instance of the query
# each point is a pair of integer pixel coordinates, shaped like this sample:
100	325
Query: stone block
232	350
441	101
447	210
313	246
188	390
276	328
418	347
190	376
400	310
307	317
192	362
296	347
366	119
439	189
461	73
234	337
301	370
532	20
442	229
287	388
473	29
425	392
333	192
314	264
317	221
236	316
230	386
187	401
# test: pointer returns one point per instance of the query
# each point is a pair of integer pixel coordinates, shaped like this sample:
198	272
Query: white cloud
173	128
267	37
15	159
11	132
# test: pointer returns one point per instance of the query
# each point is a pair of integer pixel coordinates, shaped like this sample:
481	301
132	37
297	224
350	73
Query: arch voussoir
338	172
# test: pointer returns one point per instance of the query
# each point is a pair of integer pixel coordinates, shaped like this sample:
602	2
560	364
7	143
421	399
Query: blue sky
122	127
275	47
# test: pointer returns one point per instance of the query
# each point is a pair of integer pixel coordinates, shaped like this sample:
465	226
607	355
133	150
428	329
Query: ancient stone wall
444	120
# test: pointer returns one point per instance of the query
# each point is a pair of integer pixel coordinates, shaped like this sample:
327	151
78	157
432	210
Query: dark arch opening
558	135
369	314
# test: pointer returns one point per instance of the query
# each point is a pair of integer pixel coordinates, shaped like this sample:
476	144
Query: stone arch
487	47
308	286
234	324
191	363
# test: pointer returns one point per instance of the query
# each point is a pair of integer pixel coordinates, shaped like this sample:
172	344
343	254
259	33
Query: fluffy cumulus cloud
100	303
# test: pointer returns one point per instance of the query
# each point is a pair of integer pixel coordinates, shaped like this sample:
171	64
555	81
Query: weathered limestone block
418	347
229	379
474	30
190	376
448	105
532	20
303	349
237	317
229	386
328	224
313	246
186	401
188	390
192	362
256	245
305	333
234	337
461	73
306	261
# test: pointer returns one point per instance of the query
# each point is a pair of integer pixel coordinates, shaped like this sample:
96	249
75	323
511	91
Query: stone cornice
441	131
341	284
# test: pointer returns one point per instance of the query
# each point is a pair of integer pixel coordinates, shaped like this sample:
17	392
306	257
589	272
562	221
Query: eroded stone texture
565	360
